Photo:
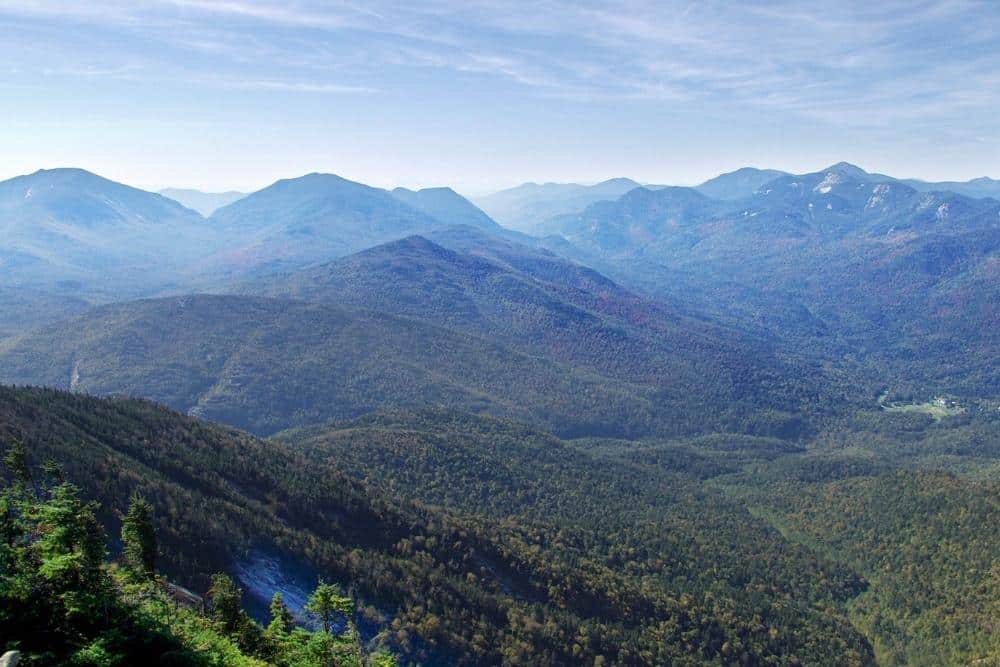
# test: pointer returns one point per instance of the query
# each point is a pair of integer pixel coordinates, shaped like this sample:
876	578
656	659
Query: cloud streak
775	55
871	71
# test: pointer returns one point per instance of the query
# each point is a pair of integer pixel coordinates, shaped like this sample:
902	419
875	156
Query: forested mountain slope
868	494
899	281
63	603
542	305
928	543
255	497
265	364
447	587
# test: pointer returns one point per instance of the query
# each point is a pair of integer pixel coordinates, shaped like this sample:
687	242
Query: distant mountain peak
65	175
446	206
847	169
738	184
621	180
442	189
64	170
412	246
318	176
77	193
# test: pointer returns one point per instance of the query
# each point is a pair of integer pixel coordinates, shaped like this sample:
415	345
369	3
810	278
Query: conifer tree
281	617
325	602
16	460
226	602
139	538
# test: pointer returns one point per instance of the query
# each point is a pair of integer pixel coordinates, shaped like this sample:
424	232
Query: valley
752	422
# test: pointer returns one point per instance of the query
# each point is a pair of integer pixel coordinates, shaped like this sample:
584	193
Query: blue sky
481	95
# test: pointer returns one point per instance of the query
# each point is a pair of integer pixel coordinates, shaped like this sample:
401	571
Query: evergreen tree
16	460
139	539
325	602
225	598
72	550
227	608
281	616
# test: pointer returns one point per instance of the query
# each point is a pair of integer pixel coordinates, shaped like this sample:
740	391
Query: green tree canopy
139	538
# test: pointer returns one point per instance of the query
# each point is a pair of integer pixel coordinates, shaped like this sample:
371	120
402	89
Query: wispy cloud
291	86
856	62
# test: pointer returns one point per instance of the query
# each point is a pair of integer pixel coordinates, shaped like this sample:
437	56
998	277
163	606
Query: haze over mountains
738	184
977	187
71	223
869	257
669	425
205	203
73	238
524	206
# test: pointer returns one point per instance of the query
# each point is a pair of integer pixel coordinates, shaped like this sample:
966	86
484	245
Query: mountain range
73	239
732	423
978	187
718	270
523	207
871	259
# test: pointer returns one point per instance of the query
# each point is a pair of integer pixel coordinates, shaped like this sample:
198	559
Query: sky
235	94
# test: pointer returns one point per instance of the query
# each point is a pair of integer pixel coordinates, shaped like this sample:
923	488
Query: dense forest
864	496
928	543
447	586
61	603
475	540
266	364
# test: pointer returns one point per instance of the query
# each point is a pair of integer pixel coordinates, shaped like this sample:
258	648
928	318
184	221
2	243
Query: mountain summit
313	218
67	224
447	206
738	184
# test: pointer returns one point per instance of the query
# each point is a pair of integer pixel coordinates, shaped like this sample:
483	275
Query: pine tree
16	460
72	550
281	617
139	539
226	602
227	608
325	602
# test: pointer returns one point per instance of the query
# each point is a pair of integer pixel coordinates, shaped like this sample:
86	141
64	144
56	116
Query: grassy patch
937	409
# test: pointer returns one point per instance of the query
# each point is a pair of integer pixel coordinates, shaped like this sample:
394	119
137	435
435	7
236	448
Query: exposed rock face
10	659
